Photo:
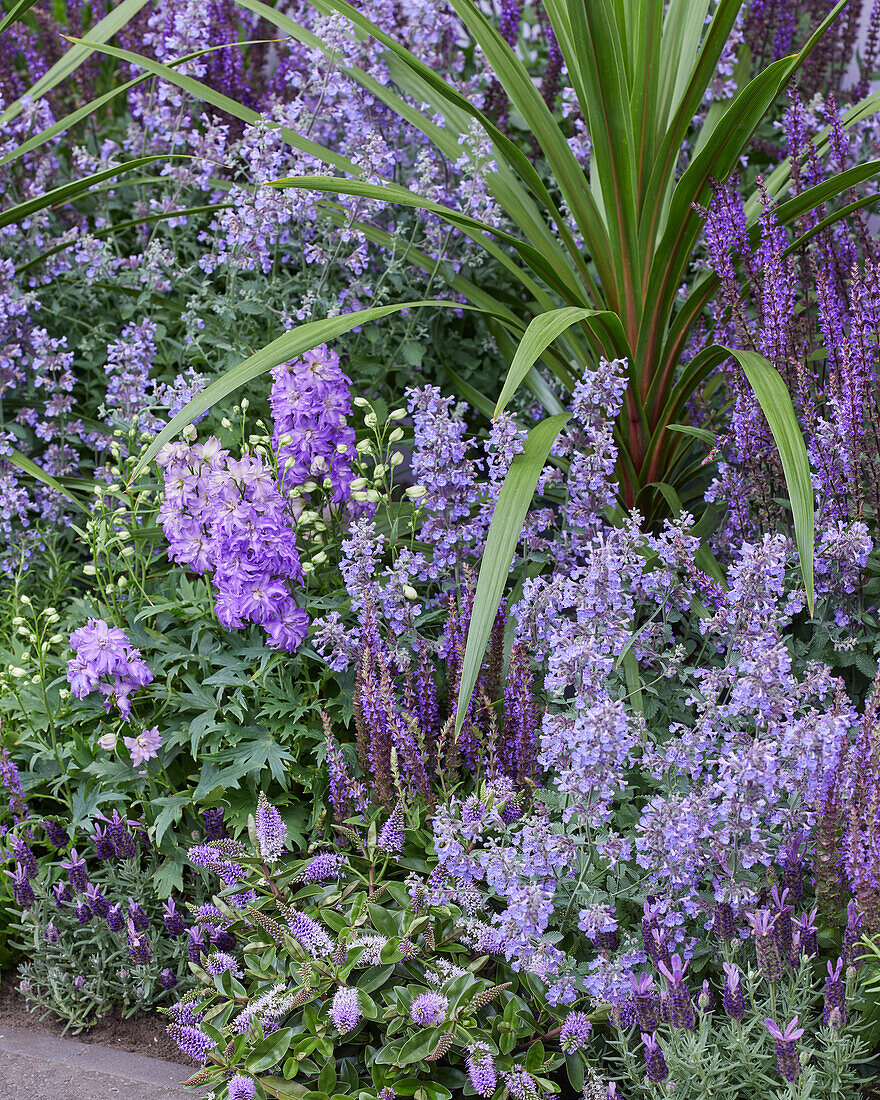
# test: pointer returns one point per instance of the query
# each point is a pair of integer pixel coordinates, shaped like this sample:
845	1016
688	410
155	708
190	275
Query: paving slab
42	1067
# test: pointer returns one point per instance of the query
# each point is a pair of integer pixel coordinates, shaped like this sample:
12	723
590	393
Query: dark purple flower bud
115	918
123	842
724	921
215	827
137	916
76	871
104	847
788	1063
645	1002
62	894
174	924
167	978
56	834
655	1063
834	1009
222	939
734	1002
766	948
138	946
25	857
22	892
83	911
99	905
197	944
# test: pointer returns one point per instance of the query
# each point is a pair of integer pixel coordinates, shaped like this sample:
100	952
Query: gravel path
41	1067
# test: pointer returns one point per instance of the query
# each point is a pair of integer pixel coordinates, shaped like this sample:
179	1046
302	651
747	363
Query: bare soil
143	1033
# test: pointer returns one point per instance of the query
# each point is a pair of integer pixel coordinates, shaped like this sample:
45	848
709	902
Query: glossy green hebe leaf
270	1050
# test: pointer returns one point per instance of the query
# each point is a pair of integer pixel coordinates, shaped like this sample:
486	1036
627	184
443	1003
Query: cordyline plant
640	71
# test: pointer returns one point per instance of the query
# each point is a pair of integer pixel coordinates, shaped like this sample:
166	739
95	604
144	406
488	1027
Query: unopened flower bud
319	558
107	741
16	672
225	422
373	497
359	483
244	404
361	402
189	433
285	440
396	435
89	570
395	459
415	492
397	414
371	420
410	592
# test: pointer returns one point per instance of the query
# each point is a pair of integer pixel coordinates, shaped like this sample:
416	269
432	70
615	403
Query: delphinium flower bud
734	1002
481	1069
788	1063
681	1011
766	947
194	1043
138	945
76	871
173	919
22	891
241	1087
167	978
215	828
645	1002
834	1009
115	918
26	858
655	1063
345	1012
392	835
429	1009
575	1031
137	916
271	830
104	848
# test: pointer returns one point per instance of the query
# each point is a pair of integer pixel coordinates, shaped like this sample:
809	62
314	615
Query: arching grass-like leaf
513	504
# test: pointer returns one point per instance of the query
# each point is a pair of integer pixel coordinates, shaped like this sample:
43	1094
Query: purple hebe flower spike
345	1011
575	1032
481	1069
429	1009
271	830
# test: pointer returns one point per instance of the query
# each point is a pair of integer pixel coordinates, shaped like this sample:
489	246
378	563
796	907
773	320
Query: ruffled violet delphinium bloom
106	660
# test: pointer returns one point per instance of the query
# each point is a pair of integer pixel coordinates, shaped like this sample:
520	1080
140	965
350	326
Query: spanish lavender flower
22	891
104	848
345	1012
137	916
83	911
138	946
61	893
56	834
392	835
241	1087
271	830
167	978
76	871
173	919
219	962
575	1031
834	1009
123	842
788	1063
724	921
194	1043
852	934
807	934
11	780
429	1009
681	1011
645	1002
196	944
767	950
481	1069
50	933
96	901
655	1063
734	1002
115	918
